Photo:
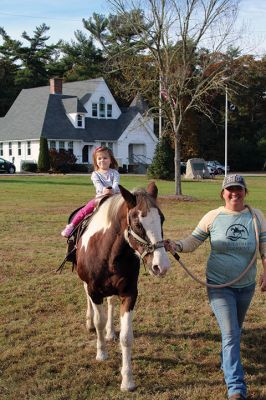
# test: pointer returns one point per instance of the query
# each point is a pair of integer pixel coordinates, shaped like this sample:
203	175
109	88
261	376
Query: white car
218	168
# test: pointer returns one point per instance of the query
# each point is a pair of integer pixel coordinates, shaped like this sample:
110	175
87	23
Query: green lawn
46	352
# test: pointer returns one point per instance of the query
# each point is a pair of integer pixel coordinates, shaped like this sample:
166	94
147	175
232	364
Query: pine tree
162	166
44	159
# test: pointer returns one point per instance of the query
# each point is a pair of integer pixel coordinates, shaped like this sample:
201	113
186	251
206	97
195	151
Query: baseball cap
234	180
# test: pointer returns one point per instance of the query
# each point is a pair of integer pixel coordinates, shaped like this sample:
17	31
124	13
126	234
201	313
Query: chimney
56	85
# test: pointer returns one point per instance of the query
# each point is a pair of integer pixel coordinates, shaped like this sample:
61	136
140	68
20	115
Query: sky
65	16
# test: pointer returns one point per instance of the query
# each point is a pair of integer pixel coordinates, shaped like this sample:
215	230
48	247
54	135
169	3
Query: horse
126	228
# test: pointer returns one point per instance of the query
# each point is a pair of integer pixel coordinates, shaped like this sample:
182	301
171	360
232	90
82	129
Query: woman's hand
262	282
171	246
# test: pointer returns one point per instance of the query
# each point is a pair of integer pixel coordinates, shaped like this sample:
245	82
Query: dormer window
102	107
109	110
94	110
80	121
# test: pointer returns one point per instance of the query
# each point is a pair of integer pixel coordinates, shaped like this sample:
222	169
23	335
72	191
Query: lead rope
177	257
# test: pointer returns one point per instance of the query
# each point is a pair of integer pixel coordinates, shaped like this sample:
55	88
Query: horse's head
144	231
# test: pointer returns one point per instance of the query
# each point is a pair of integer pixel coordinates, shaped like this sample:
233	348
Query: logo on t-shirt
236	232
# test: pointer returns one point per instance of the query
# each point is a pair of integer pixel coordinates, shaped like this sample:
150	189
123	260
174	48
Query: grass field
46	352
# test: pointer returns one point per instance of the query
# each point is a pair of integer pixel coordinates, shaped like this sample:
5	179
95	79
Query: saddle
77	233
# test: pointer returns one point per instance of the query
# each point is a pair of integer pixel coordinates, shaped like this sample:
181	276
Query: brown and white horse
127	227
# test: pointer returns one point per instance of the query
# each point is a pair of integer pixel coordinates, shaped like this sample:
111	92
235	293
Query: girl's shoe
237	396
68	230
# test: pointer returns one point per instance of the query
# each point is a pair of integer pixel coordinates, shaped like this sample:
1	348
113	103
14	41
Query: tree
8	90
162	166
44	158
173	34
126	67
34	60
80	58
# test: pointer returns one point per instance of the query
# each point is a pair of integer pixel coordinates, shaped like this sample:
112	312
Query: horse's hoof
90	327
128	388
111	337
101	356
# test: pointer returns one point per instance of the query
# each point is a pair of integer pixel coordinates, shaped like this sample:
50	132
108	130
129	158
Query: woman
233	242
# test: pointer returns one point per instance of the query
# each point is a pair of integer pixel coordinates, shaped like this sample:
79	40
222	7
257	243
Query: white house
76	116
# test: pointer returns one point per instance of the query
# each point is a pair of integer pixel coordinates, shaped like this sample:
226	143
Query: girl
105	178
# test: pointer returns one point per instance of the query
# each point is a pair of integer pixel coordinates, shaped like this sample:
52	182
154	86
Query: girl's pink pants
81	214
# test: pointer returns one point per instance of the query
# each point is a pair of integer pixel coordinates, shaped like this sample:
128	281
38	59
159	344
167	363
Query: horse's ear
129	197
152	189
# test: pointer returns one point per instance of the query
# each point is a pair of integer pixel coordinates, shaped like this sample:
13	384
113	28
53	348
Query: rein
149	247
243	273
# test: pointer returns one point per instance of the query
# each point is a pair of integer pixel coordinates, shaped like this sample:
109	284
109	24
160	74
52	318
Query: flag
165	95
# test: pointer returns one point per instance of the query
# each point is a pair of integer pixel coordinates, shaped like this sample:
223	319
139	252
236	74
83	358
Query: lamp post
225	131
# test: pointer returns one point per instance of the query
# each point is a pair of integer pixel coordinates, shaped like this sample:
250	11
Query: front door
136	153
86	152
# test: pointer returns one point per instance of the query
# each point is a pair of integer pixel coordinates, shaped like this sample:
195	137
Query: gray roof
36	112
73	105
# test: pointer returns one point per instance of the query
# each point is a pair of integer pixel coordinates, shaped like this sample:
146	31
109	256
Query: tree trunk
177	166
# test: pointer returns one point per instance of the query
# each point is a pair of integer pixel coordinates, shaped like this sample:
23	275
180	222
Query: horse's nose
156	270
160	263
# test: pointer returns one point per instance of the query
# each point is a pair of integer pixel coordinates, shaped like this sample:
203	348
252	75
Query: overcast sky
65	16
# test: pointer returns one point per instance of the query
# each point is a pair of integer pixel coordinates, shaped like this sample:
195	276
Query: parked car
218	168
7	166
212	171
183	167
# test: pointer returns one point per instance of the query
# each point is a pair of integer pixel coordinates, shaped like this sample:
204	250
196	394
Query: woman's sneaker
68	230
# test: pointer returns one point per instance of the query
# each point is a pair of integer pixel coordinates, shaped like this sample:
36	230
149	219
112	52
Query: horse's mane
112	206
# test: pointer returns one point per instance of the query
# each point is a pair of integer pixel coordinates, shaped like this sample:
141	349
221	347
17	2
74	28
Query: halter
147	244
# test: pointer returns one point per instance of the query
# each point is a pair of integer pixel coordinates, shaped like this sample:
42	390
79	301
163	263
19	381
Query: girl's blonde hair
102	149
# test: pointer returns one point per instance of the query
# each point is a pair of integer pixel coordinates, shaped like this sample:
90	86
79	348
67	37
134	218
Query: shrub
61	161
79	168
44	159
162	166
29	166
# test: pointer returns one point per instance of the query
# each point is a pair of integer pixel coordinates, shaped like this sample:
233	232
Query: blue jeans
230	306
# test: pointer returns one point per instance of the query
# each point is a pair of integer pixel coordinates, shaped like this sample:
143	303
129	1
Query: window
1	149
28	148
109	110
10	148
102	107
79	121
61	146
109	145
94	110
70	147
52	144
19	148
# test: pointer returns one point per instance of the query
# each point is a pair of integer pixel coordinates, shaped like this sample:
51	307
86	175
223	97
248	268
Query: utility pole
160	107
225	131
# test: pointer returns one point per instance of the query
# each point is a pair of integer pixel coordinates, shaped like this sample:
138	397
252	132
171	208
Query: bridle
147	244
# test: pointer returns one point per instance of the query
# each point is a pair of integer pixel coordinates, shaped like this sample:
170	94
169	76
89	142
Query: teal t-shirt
233	243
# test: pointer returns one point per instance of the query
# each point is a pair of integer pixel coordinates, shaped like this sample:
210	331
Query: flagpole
225	131
160	107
